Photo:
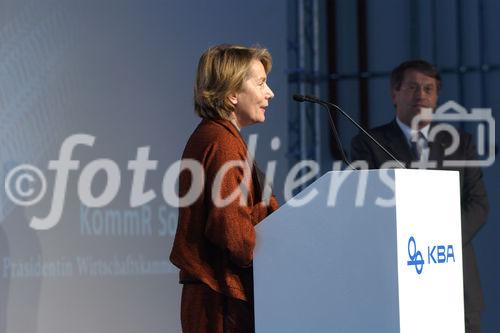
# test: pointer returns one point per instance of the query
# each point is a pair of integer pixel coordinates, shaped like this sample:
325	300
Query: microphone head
312	98
299	98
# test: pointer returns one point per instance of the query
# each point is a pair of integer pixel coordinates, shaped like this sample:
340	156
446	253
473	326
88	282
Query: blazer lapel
396	143
258	176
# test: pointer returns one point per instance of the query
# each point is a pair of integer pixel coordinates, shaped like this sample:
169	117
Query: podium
363	251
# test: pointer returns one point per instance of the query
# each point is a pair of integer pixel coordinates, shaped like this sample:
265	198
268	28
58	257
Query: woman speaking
215	238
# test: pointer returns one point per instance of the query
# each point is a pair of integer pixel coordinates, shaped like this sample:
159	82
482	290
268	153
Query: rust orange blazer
214	245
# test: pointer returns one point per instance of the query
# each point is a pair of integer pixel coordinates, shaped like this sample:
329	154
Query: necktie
417	144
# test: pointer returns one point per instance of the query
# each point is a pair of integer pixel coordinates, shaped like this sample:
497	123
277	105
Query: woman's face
251	101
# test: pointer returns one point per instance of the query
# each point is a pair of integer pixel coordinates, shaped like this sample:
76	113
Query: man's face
417	91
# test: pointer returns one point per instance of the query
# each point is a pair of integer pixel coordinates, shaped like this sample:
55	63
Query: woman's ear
233	98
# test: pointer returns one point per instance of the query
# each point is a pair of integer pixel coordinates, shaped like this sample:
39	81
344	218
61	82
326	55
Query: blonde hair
222	69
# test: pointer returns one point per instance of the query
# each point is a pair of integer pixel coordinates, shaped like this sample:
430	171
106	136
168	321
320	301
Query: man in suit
415	87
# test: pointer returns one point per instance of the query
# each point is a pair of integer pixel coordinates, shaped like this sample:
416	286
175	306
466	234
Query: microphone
300	98
313	99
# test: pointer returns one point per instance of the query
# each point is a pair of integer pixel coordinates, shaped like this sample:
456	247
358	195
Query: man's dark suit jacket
474	202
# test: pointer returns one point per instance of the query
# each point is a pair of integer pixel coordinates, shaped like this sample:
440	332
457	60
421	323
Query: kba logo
436	254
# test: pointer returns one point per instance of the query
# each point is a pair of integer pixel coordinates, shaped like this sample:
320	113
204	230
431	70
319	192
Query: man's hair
222	69
422	66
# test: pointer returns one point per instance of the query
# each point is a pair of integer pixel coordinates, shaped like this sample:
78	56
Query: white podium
363	251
